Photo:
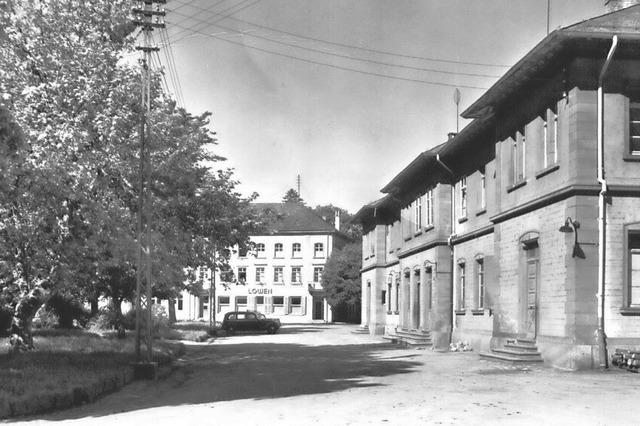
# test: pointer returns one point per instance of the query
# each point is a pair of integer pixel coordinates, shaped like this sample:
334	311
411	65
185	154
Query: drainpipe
450	243
601	337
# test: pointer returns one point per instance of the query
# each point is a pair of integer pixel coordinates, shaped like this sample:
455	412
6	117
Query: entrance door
532	298
318	311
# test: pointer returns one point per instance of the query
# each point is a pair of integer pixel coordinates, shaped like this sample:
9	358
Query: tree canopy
69	160
292	196
341	276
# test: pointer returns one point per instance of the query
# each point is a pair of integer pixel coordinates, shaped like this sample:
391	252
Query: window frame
278	272
260	274
296	254
242	270
417	215
551	116
627	307
278	253
630	154
261	250
480	299
429	208
318	253
299	274
317	274
462	287
463	197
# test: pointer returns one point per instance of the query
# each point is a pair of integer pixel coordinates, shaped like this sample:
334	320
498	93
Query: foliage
292	196
70	162
6	315
159	318
46	318
68	311
350	229
341	276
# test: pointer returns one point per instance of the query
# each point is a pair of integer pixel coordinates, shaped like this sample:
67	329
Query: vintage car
249	321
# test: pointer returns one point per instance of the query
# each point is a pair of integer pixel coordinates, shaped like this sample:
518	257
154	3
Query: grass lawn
68	367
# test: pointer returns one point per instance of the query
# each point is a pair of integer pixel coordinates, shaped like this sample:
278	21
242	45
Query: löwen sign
260	291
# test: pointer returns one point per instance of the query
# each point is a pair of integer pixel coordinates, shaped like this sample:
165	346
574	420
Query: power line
221	14
311	49
171	64
349	46
310	61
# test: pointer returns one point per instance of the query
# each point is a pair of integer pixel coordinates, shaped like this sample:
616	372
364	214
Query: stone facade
512	227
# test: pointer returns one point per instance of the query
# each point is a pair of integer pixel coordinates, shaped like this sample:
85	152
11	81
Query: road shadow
212	373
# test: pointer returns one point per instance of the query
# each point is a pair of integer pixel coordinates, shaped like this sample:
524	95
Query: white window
260	250
317	274
429	207
518	159
550	138
318	250
480	283
417	214
296	274
278	274
296	250
461	286
242	274
260	274
463	197
278	250
483	189
633	290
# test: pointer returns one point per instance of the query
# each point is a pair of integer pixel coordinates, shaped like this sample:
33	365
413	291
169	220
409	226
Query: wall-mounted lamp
569	226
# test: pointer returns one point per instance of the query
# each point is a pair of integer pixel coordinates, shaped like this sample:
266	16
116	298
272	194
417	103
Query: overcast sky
346	126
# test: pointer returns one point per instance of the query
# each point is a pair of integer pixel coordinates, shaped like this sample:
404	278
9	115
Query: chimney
451	135
336	222
613	5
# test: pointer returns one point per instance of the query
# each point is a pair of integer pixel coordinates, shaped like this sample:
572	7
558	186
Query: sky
351	90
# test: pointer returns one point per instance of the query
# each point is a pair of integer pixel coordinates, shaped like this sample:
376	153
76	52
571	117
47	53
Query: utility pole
298	184
148	15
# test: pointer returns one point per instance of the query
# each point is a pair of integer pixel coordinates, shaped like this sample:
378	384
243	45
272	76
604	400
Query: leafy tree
351	229
341	276
69	124
292	196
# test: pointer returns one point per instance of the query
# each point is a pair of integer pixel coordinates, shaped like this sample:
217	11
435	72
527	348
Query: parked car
249	321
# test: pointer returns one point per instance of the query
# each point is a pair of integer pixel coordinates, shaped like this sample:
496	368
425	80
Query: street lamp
570	226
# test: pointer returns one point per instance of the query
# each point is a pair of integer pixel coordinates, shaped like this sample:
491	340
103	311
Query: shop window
278	301
296	250
241	302
259	300
278	250
223	303
317	274
318	250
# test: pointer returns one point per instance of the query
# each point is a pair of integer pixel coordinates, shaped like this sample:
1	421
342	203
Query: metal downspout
601	337
450	243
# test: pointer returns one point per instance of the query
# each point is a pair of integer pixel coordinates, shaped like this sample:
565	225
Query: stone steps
361	330
516	351
412	338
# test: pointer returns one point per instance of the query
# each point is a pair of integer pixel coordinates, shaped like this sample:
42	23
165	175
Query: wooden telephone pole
148	15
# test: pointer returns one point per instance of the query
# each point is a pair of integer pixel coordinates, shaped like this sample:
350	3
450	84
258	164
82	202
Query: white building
280	277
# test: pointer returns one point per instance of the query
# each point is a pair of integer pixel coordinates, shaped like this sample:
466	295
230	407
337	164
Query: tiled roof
293	218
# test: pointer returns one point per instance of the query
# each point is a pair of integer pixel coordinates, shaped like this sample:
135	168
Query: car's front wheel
231	331
271	329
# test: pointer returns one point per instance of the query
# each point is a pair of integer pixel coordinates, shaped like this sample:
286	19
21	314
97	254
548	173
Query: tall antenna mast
548	14
298	184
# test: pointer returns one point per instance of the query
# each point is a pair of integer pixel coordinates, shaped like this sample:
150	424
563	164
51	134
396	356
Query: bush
105	320
68	310
6	316
159	319
45	318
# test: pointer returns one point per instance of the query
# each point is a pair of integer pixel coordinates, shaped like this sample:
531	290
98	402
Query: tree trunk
94	306
21	338
172	310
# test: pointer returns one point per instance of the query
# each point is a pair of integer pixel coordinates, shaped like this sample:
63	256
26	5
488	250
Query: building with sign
281	276
520	235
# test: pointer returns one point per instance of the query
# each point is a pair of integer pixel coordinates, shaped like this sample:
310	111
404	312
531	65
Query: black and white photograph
304	212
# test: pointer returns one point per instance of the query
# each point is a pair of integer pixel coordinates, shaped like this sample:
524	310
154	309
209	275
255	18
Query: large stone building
521	233
280	277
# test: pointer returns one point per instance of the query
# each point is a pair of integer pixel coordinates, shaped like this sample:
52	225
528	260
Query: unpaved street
325	375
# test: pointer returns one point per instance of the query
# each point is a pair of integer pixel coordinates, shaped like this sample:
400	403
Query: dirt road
325	375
